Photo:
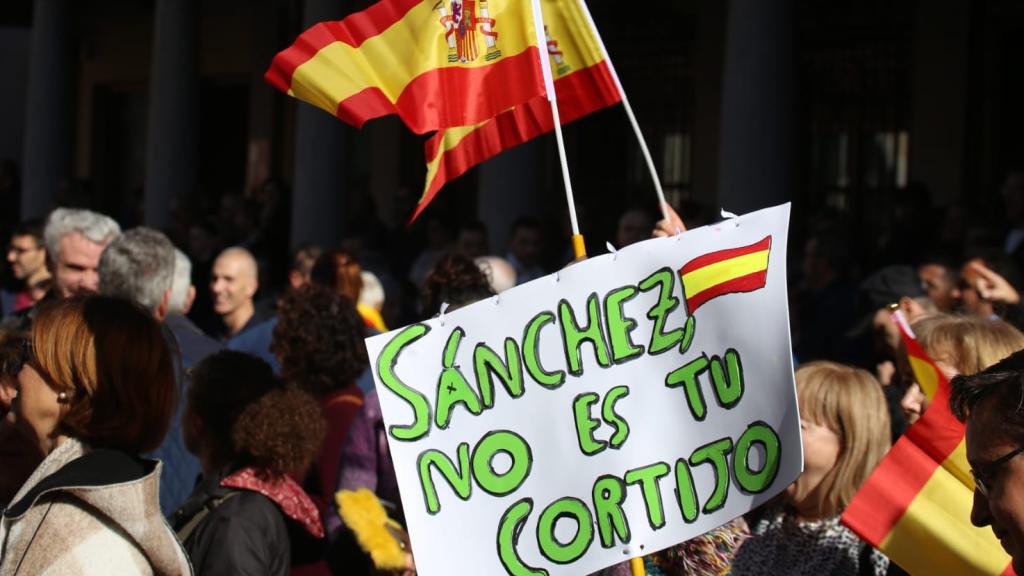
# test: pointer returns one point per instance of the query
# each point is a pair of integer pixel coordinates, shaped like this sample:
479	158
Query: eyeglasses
983	476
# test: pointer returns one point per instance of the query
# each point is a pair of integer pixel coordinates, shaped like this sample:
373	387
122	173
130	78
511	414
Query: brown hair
969	344
455	280
112	359
339	270
251	417
849	401
319	339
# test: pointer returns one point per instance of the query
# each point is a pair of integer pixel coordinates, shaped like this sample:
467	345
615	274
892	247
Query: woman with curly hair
253	434
319	342
455	280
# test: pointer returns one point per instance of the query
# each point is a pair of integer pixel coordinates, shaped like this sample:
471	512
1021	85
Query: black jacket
244	533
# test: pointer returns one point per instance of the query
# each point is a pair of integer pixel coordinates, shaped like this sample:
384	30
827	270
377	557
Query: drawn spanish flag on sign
916	506
742	269
435	63
584	83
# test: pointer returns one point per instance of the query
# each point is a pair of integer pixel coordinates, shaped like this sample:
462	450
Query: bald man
233	284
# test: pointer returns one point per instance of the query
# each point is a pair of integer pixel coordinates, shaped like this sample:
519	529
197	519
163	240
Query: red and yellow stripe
926	373
393	58
916	506
583	84
742	269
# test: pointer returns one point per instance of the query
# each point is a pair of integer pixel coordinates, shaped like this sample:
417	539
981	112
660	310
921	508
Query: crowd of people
166	418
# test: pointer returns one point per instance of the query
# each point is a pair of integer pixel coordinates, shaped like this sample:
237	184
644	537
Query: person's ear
161	309
190	299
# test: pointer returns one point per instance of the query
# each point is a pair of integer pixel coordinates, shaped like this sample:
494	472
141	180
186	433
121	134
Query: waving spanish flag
916	506
435	63
583	81
742	269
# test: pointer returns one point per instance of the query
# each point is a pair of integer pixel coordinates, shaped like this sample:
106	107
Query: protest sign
625	404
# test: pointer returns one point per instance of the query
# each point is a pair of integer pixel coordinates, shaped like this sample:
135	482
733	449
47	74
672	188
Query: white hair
499	273
95	227
180	283
372	293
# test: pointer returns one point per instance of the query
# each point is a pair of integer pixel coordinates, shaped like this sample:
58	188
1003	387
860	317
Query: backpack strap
201	515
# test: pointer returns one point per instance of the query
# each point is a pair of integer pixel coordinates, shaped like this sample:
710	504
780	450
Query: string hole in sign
642	547
615	253
440	314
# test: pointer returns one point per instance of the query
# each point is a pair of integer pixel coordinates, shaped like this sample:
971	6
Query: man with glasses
26	256
991	402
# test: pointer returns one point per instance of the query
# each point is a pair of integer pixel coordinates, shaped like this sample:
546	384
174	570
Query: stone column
318	199
757	163
172	137
49	117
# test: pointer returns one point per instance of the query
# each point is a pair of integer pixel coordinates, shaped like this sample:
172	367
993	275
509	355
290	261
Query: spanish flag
742	269
926	373
916	506
435	63
584	82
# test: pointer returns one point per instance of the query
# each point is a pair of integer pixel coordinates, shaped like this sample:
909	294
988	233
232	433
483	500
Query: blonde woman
958	345
845	429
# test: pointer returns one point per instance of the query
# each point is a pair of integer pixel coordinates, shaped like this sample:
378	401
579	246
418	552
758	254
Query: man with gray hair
139	266
74	239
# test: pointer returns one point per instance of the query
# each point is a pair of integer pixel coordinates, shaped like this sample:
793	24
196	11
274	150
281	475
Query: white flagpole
579	248
629	113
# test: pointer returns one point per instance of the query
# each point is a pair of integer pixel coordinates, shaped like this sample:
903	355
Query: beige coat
86	512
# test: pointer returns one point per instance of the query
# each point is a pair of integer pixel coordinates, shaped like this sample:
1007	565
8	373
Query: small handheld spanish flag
735	270
916	506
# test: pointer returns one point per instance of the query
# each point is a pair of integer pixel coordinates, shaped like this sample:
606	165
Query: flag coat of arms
915	507
584	83
434	63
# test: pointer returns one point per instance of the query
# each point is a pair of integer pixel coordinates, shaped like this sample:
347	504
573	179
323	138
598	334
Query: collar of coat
94	469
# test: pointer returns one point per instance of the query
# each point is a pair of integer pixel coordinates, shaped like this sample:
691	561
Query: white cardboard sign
626	404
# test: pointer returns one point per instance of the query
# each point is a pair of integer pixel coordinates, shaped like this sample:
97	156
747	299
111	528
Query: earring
63	397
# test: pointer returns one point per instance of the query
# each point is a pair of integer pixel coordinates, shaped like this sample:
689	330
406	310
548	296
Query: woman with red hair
95	390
